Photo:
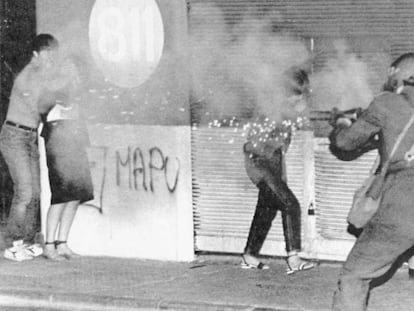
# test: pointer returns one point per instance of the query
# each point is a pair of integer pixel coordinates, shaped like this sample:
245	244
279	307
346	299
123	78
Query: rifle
334	114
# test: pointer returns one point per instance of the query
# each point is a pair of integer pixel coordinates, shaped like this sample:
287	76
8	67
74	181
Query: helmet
400	73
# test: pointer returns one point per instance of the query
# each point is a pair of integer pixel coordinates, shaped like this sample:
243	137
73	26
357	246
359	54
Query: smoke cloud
233	70
344	82
239	67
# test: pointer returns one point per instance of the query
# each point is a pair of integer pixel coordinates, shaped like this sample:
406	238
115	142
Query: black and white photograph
206	155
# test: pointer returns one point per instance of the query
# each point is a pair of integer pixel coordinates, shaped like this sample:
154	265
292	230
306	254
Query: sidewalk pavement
210	282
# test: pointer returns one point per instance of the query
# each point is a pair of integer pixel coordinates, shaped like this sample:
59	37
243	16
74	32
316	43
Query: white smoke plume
343	82
234	67
233	70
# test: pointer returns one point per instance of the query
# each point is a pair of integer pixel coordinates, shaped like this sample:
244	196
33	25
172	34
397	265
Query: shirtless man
19	145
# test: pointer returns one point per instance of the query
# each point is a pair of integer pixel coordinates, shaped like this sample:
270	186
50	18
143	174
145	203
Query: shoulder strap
397	143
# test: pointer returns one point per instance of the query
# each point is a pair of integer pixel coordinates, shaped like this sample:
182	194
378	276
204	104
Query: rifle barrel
326	115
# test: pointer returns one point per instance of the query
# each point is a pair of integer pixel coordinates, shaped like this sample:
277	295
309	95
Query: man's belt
20	126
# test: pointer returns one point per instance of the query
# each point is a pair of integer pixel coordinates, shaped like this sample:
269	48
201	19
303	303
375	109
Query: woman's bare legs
67	217
54	216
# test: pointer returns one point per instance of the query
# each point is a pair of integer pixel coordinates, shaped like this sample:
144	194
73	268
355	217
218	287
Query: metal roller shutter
225	198
390	20
376	30
335	184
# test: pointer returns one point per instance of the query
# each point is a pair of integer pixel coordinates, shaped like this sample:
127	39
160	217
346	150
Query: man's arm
360	134
359	137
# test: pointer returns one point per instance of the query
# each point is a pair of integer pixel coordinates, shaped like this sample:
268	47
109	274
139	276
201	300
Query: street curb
74	302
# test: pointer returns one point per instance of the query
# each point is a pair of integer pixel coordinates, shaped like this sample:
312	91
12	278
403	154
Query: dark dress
67	161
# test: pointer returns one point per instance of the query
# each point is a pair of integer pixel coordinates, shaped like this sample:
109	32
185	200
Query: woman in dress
66	140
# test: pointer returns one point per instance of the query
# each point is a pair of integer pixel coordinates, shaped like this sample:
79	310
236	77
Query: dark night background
17	28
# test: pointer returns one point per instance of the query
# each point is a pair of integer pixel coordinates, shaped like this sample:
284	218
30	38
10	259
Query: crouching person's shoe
34	250
17	252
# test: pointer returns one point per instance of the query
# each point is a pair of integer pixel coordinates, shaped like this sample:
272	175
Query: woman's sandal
54	256
68	254
260	265
305	265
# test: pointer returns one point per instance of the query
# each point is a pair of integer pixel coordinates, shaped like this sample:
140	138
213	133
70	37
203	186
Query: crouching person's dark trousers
274	196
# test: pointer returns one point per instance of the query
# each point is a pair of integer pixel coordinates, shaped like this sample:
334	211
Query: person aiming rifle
390	232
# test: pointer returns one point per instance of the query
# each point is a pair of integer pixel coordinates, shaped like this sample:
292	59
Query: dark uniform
391	230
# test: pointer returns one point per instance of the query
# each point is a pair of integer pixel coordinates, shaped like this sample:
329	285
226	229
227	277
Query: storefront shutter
225	198
335	184
376	31
389	20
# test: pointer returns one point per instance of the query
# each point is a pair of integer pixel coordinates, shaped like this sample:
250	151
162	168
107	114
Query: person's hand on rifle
343	119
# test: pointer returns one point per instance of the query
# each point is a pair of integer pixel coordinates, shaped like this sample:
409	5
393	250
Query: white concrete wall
138	210
162	98
143	201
